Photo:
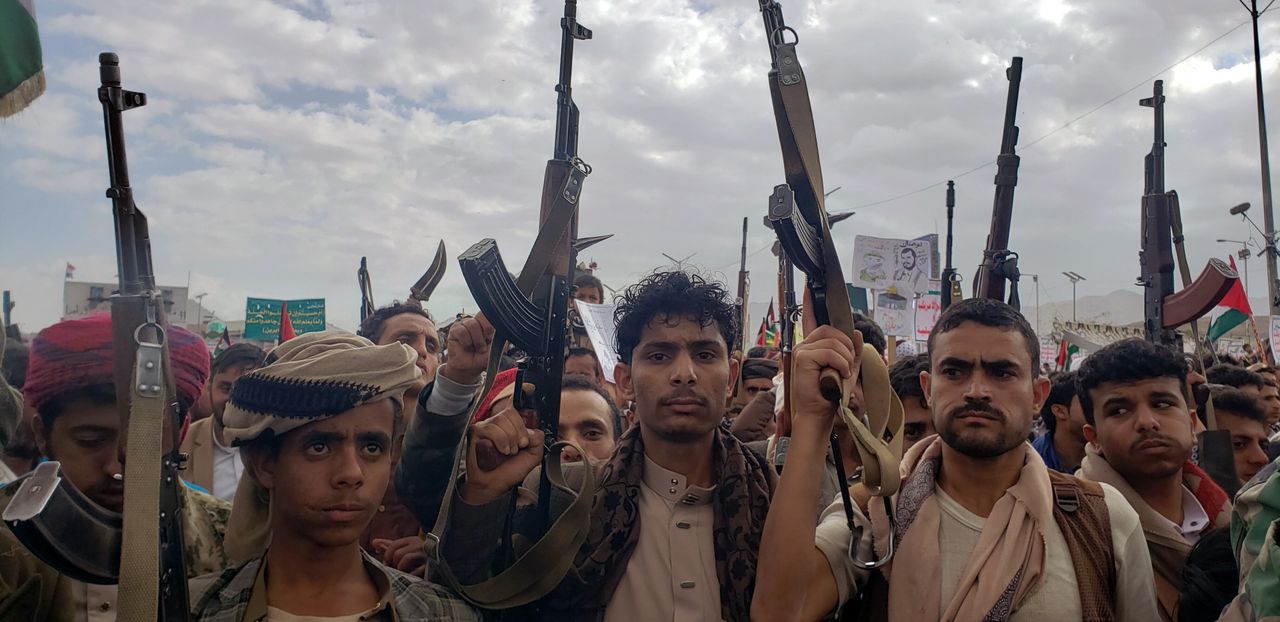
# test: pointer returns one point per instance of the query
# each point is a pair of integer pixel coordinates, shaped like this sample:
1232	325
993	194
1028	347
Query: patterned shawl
744	486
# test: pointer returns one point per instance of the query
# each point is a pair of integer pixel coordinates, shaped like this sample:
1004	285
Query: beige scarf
1004	568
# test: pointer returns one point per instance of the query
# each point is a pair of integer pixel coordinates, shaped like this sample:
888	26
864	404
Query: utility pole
1268	220
1075	278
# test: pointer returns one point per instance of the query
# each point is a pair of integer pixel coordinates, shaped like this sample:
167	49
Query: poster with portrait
897	266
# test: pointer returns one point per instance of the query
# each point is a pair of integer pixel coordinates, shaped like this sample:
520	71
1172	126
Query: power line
1064	126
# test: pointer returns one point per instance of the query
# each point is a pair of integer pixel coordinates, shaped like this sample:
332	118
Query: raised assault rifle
951	291
998	262
143	551
1165	309
531	312
800	220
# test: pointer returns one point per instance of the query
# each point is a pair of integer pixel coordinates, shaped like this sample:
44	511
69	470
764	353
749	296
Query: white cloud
284	140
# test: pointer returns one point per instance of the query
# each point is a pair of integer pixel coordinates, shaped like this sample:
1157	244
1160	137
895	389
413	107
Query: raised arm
794	580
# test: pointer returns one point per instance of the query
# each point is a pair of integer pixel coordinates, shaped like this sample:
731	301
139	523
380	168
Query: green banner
262	317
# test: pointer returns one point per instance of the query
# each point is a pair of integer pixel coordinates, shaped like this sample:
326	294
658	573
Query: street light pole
1075	278
1244	255
1268	219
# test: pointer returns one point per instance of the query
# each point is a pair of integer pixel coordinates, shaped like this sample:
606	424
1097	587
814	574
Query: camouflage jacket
1255	533
240	593
29	585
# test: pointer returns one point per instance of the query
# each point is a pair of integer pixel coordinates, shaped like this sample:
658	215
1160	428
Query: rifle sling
544	565
140	552
880	460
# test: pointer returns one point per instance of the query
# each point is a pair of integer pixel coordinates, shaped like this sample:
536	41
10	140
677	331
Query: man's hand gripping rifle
800	220
531	312
143	550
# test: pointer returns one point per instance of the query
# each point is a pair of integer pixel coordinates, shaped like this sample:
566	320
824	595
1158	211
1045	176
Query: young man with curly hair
1139	428
680	506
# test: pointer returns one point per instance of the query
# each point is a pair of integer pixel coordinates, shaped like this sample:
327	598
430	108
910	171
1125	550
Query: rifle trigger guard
857	537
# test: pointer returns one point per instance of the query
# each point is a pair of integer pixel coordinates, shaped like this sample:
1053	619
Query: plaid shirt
239	594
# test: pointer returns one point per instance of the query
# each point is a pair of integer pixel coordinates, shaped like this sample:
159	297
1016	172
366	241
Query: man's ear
622	376
1091	436
735	371
41	435
262	464
1061	412
925	381
1042	386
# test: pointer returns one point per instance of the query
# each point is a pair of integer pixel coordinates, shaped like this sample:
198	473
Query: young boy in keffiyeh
316	428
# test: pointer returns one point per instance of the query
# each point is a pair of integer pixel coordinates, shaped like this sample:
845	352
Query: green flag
21	65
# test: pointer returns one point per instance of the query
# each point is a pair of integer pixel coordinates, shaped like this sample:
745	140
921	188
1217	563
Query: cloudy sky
283	140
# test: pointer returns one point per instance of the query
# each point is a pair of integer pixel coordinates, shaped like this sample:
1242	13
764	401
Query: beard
981	443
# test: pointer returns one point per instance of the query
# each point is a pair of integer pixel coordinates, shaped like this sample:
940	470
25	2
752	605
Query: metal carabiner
857	537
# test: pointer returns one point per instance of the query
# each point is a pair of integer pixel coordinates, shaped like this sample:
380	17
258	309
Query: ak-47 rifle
744	287
951	291
744	290
531	312
366	291
999	264
803	228
1165	309
143	550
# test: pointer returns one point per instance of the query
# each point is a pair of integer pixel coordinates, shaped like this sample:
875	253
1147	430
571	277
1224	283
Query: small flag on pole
768	335
286	325
71	270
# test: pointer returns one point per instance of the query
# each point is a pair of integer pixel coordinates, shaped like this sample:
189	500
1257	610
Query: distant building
81	298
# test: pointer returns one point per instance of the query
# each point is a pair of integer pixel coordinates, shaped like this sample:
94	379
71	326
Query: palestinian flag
1066	350
21	64
1234	308
286	325
768	336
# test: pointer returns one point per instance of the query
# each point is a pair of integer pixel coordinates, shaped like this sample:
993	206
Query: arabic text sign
262	317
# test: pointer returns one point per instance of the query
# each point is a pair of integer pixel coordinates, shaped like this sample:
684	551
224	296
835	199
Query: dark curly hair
1130	360
1234	376
678	294
904	377
371	328
1238	403
872	334
1063	391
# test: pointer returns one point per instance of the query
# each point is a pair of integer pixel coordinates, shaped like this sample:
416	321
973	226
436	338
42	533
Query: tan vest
198	446
1080	509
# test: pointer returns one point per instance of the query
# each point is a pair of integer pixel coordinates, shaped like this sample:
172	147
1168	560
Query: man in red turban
71	384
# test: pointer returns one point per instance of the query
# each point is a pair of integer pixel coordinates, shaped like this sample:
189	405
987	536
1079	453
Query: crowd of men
368	476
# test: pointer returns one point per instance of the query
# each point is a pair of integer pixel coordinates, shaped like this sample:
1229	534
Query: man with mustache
316	428
1138	425
982	530
680	505
71	384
